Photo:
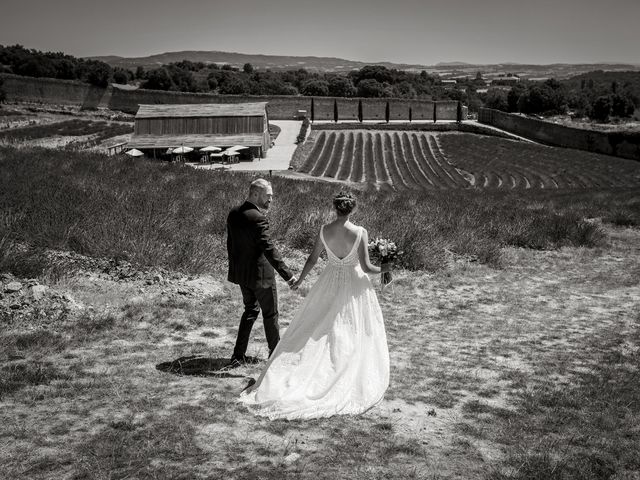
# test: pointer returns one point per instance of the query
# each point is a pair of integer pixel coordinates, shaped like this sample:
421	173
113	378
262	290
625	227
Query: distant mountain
332	64
452	64
273	62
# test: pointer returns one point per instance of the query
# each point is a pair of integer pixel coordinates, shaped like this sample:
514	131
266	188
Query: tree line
34	63
368	82
598	95
187	76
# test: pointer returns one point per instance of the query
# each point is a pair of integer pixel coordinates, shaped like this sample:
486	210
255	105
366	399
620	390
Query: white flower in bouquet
386	251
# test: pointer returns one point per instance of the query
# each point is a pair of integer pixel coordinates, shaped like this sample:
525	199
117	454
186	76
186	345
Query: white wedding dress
333	358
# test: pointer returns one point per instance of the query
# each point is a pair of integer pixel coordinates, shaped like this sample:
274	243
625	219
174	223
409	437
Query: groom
252	259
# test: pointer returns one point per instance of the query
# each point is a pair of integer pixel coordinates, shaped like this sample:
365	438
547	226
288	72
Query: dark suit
252	260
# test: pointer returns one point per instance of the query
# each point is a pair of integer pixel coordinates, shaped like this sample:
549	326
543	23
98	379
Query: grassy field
174	216
513	329
415	160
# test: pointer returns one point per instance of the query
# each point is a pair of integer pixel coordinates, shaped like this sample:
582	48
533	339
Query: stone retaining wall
65	92
619	144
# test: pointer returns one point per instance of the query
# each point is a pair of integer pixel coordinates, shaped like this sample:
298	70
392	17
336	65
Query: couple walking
333	357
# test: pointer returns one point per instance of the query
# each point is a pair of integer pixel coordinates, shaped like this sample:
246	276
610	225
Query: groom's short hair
258	185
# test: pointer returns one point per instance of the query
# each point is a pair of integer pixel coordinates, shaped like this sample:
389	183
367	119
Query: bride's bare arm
363	254
311	261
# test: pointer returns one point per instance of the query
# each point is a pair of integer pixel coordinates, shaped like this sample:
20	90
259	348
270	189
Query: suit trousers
254	300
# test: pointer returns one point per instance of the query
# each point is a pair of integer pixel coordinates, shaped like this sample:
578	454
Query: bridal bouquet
386	251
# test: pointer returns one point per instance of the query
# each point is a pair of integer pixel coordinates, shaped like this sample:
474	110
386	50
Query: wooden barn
160	127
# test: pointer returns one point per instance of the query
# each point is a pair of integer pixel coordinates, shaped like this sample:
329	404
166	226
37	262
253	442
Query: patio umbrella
134	152
210	149
180	150
237	147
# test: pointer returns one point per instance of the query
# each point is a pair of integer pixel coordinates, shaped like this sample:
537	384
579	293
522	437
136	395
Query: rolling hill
333	64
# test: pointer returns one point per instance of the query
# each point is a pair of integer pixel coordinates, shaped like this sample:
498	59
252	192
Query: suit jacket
252	254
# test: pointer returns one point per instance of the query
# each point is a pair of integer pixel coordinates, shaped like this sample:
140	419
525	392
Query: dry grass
526	372
173	216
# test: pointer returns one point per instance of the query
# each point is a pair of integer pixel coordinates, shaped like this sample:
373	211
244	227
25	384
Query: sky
402	31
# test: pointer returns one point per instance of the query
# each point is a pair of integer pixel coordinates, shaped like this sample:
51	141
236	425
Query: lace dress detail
333	357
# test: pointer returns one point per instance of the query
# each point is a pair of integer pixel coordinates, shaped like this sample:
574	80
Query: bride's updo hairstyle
344	203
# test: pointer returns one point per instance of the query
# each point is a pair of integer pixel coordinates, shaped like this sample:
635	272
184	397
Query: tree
340	86
601	109
98	73
182	78
248	68
120	76
498	100
212	81
376	72
435	113
335	110
410	114
545	98
139	72
513	97
313	110
36	67
387	113
235	86
157	79
315	88
360	111
622	105
3	94
459	112
371	88
405	90
66	69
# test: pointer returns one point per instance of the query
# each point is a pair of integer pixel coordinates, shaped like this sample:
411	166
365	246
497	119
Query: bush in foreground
173	216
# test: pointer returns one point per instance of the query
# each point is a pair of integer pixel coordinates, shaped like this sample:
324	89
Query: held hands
295	283
385	267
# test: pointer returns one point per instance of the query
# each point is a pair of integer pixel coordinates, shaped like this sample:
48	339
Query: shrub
303	130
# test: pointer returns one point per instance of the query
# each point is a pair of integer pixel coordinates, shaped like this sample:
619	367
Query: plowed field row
406	160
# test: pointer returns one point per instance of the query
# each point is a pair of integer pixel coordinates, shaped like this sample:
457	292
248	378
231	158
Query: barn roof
194	141
202	110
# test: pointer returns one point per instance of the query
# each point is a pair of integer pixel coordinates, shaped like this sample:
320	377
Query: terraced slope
406	160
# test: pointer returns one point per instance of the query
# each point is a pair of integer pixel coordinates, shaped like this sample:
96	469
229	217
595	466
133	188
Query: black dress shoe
234	363
252	360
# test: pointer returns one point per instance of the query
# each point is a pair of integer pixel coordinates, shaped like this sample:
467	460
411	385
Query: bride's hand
296	284
385	267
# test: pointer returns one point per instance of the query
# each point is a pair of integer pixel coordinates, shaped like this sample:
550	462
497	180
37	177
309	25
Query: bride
333	357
